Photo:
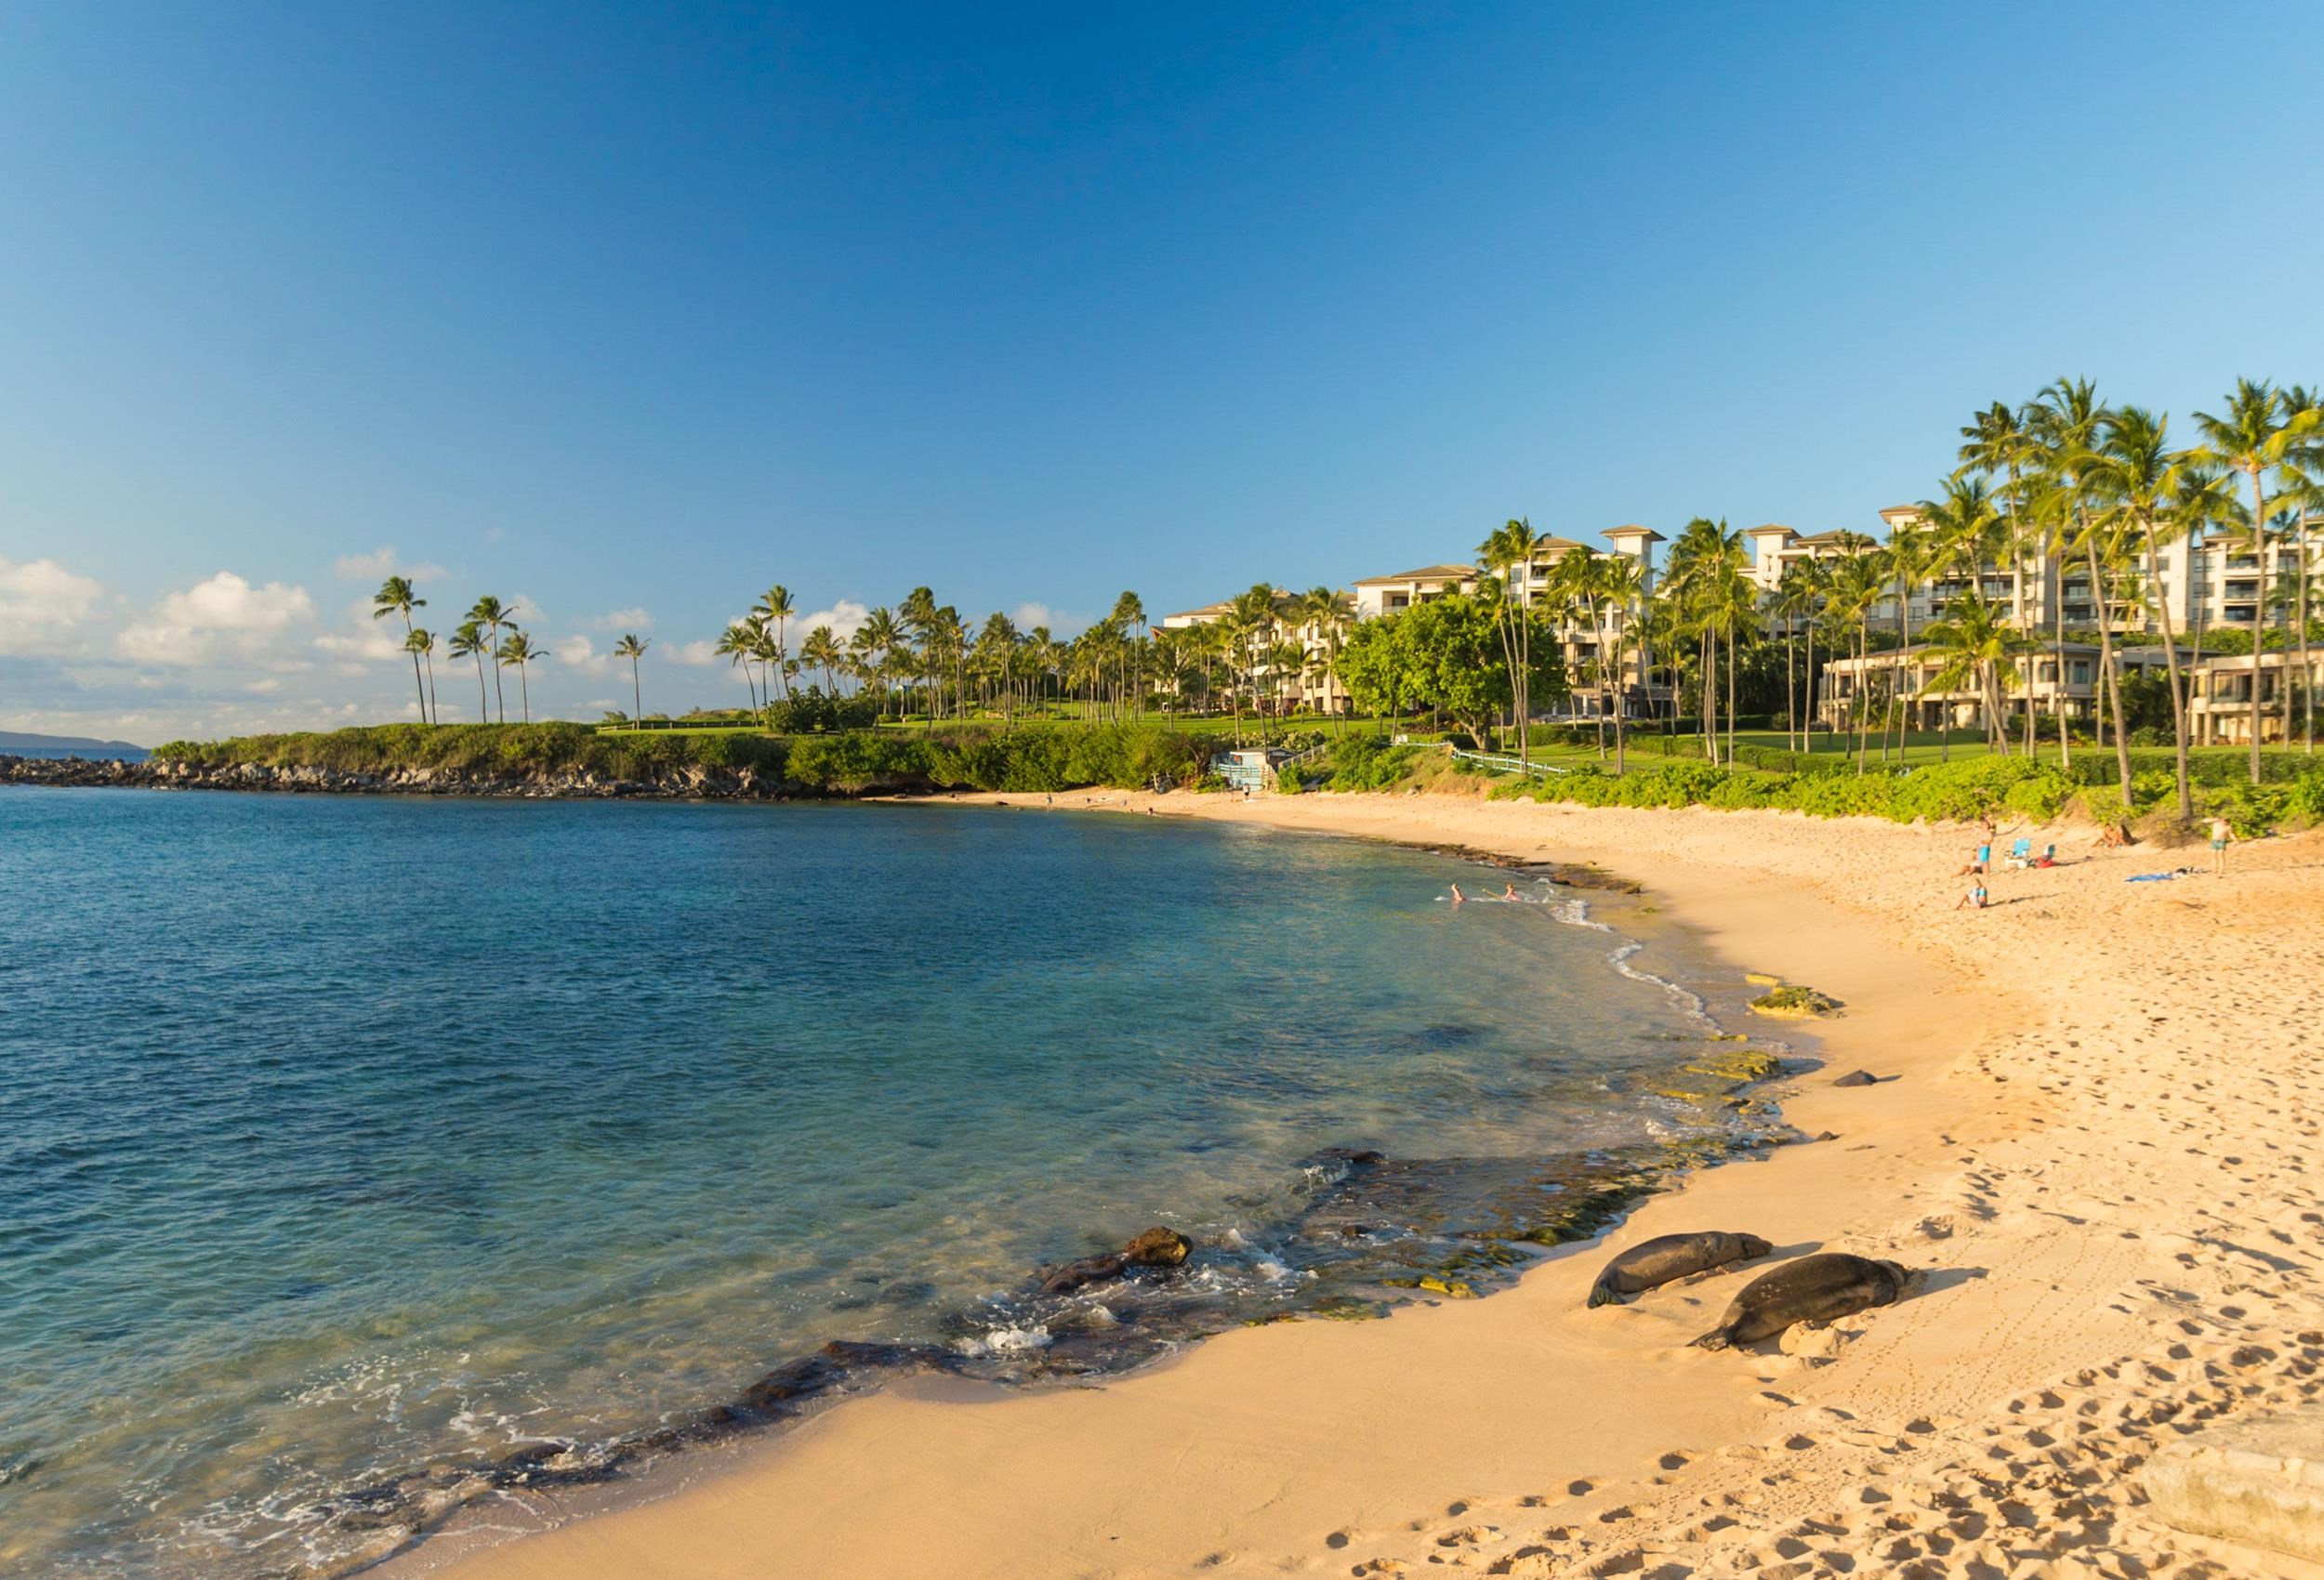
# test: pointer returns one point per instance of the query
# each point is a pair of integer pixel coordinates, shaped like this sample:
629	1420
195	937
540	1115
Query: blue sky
631	311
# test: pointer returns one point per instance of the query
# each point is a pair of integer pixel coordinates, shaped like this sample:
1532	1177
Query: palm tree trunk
436	714
2178	702
2057	697
2105	667
636	697
2259	603
1730	693
1790	713
2307	692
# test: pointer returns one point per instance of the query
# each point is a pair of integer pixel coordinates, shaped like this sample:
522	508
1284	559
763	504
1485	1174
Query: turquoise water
346	1142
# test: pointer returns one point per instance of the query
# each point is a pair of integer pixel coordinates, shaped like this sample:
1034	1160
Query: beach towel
2150	878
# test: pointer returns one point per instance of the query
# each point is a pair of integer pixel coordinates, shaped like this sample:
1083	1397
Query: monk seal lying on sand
1817	1288
1657	1261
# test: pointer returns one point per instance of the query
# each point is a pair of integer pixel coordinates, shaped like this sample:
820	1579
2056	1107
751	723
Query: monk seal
1657	1261
1817	1288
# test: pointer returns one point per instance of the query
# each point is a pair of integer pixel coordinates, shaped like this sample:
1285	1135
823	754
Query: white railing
1507	765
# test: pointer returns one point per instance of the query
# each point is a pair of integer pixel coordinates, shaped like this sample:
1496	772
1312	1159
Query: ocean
354	1150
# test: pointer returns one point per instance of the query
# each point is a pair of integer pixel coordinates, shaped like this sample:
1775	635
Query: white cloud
622	620
845	617
523	607
366	638
1060	624
580	655
702	654
381	563
221	620
42	605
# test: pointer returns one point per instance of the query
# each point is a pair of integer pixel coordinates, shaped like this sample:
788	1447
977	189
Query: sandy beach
2090	1130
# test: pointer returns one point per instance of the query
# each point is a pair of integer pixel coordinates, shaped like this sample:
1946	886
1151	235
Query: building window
2082	672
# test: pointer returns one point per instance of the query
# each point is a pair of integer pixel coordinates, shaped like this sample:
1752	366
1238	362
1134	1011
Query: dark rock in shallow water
1858	1078
1157	1247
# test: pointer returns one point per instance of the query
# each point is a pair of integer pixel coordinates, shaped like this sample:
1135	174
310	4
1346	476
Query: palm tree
1858	580
1507	551
1974	644
1794	600
1908	557
468	642
492	615
2065	424
396	597
2134	476
1325	614
2255	435
821	649
1129	616
2304	474
1959	534
737	645
519	650
422	644
774	609
633	649
1705	562
1622	582
880	638
1250	623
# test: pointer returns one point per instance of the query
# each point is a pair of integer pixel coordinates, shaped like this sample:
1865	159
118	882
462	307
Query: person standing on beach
2222	832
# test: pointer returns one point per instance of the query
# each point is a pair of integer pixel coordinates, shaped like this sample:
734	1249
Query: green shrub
1288	781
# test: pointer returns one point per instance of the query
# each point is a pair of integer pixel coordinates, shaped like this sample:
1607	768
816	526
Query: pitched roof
1425	574
1632	529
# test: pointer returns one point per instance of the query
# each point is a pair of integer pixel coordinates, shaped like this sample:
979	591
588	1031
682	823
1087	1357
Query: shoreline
1181	1467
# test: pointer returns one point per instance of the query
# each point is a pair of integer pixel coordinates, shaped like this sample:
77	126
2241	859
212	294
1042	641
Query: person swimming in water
1509	891
1457	896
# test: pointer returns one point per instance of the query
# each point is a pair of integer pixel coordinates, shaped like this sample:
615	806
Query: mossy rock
1762	979
1452	1288
1793	1002
1742	1065
1700	1099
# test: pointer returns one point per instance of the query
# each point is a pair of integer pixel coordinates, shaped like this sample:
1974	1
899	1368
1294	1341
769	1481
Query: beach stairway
2257	1482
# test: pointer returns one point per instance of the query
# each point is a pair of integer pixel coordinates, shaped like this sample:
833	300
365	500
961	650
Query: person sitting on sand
2048	856
2221	832
2111	838
1980	861
1974	900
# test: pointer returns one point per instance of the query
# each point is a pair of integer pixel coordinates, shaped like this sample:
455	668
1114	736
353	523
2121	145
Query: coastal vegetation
1023	758
1724	659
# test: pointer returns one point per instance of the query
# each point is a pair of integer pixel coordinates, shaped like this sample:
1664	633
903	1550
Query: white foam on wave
1574	912
1020	1340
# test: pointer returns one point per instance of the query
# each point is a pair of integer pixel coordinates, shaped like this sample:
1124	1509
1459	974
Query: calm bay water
341	1139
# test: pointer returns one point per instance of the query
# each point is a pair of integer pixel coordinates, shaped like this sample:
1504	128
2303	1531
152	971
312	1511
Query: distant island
15	743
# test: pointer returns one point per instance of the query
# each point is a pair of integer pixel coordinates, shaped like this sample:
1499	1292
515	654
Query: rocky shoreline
691	783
